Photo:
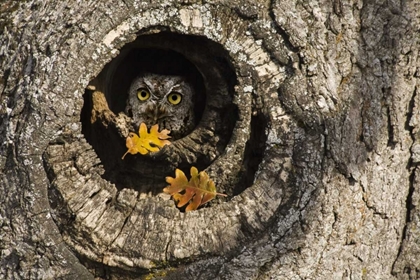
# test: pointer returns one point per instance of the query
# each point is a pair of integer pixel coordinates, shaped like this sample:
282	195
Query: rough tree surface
311	126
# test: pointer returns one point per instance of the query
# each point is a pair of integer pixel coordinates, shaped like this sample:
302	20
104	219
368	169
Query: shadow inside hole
204	64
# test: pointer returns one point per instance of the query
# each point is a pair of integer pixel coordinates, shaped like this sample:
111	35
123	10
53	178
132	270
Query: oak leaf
146	142
197	191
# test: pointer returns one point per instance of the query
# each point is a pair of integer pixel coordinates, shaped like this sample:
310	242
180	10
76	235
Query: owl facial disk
174	98
143	94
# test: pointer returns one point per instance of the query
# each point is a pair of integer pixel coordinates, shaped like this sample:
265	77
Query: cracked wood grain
327	98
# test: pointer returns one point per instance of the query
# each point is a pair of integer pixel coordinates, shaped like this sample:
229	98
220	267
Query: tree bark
310	125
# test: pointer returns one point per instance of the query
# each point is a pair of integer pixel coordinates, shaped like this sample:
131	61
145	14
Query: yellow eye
174	98
143	94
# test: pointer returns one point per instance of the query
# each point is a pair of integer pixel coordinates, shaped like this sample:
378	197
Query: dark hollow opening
202	62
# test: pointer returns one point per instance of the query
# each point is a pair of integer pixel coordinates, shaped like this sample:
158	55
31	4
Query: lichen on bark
327	102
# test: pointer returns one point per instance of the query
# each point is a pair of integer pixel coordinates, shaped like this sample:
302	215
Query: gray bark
311	126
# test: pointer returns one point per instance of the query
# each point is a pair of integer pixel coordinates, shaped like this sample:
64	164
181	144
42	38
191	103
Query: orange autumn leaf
146	142
197	191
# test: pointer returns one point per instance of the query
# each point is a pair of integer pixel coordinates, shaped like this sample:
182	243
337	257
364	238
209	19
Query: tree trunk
309	122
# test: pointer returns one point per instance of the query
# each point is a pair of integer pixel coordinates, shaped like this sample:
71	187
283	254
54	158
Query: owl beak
160	113
156	113
155	118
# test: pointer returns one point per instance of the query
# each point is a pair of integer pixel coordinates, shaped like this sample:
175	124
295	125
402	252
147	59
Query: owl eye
143	94
174	98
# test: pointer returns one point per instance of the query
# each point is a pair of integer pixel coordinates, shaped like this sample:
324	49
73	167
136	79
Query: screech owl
162	99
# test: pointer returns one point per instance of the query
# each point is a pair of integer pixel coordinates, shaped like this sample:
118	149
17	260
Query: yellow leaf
146	142
197	191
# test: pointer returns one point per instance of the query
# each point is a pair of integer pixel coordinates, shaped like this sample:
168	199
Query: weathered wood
310	125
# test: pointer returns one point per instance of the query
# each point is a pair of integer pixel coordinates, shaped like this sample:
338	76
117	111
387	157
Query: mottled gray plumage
158	107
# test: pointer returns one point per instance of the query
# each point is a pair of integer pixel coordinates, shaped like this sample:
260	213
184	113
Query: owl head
162	99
